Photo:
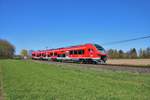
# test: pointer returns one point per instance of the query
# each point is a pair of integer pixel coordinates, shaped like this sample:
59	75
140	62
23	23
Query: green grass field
27	80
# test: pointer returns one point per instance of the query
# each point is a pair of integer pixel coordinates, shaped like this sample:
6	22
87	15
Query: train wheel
82	61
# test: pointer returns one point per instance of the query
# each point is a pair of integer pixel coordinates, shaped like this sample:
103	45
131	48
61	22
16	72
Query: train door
67	54
91	52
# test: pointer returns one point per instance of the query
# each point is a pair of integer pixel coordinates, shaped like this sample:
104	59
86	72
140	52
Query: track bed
105	66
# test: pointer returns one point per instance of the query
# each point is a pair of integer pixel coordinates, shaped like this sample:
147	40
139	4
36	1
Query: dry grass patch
138	62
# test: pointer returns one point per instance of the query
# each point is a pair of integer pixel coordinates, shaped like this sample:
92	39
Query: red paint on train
80	53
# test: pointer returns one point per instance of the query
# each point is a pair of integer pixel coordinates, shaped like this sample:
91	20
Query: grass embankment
1	86
26	80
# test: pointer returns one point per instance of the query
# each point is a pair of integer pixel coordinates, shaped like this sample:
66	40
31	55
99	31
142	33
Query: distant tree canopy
132	53
7	50
144	53
24	52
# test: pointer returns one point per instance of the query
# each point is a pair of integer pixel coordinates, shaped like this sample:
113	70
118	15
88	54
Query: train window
55	54
83	51
48	55
71	52
75	52
99	47
38	55
33	54
44	55
63	55
80	51
51	54
90	49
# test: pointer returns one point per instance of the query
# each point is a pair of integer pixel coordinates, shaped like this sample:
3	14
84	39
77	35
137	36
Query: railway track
99	67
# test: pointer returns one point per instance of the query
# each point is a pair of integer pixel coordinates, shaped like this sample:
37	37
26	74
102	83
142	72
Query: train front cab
100	54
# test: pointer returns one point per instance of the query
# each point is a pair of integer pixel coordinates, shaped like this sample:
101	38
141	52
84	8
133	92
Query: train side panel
87	52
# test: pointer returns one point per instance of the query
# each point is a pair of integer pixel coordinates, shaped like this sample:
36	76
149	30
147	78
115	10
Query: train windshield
100	48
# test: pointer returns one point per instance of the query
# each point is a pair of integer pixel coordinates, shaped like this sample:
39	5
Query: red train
87	53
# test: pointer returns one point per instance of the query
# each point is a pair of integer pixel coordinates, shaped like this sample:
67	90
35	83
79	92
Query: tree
140	53
24	53
148	52
133	53
7	50
110	53
121	54
113	53
144	53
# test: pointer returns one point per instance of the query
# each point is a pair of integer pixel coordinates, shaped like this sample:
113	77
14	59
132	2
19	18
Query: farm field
136	62
27	80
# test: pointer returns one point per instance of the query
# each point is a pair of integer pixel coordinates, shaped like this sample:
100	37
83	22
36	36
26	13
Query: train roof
68	47
71	46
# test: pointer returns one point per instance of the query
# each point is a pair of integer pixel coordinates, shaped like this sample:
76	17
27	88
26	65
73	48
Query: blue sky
36	24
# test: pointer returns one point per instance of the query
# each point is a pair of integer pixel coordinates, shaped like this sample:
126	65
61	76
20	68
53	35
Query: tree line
131	54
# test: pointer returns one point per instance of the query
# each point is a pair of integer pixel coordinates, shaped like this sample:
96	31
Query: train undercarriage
101	60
